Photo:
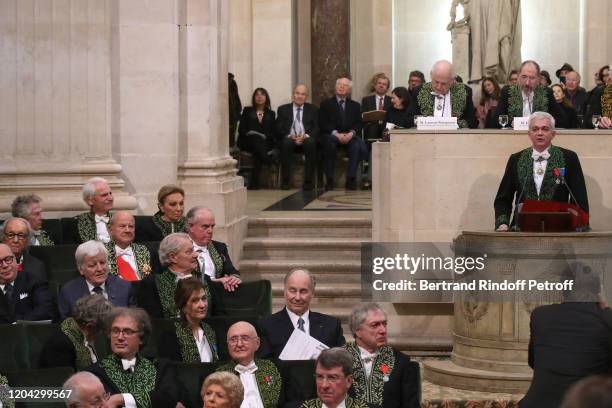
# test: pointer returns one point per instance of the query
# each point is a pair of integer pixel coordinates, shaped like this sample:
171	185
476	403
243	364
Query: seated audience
222	390
169	219
513	77
129	261
17	234
213	258
571	118
379	100
28	207
276	329
180	261
191	340
72	345
444	97
85	390
91	261
562	72
526	97
260	378
545	79
334	378
574	93
297	127
569	341
340	124
600	103
256	133
132	380
92	225
381	374
591	392
416	79
23	296
529	173
398	115
489	97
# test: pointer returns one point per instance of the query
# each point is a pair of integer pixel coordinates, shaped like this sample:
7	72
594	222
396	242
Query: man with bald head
276	329
443	97
86	390
23	296
526	97
17	234
261	379
126	259
297	129
214	262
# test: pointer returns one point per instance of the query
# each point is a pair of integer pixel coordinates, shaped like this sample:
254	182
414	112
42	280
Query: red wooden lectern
551	216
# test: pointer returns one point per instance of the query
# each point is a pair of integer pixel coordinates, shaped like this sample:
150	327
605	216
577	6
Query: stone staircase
328	247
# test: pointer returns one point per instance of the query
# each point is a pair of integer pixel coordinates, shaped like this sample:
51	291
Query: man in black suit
530	173
213	258
569	341
91	258
526	97
444	97
276	329
297	128
23	296
379	100
382	375
17	234
340	124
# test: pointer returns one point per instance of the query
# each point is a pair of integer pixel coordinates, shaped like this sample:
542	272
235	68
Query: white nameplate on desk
520	123
437	123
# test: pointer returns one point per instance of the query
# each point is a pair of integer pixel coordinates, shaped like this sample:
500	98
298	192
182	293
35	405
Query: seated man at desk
530	173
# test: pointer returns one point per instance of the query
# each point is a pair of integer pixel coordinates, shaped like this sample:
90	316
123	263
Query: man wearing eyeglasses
263	387
382	376
22	295
334	377
86	391
17	234
131	379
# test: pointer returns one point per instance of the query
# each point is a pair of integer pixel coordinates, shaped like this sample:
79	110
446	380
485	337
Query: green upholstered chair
36	335
249	299
14	350
191	376
59	261
44	377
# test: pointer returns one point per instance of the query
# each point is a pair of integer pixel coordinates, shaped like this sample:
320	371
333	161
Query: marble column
205	168
330	42
55	108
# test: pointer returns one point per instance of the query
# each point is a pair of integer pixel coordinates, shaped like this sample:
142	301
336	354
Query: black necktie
8	291
301	324
97	290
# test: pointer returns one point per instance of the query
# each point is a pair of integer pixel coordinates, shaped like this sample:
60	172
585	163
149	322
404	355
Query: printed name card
436	123
521	123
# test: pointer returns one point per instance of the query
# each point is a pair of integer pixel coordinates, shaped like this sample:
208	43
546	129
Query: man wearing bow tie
93	225
382	376
91	259
126	259
443	97
526	97
276	329
17	234
263	387
132	380
213	258
23	296
530	174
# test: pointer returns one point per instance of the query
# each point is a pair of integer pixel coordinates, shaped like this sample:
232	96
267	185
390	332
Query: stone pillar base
213	183
59	185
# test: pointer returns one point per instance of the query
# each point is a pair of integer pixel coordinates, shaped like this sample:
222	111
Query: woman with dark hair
191	340
256	133
571	118
488	100
168	219
398	116
73	343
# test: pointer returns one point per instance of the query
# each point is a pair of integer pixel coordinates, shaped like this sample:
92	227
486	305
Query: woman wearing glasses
133	380
191	340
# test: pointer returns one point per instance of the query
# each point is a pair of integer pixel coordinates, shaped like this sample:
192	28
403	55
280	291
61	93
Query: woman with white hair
222	390
179	261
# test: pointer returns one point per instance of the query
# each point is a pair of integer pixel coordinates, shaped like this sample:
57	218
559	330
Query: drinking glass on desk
580	119
503	121
595	120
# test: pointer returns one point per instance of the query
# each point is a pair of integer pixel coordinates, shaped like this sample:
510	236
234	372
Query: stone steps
348	271
302	248
310	227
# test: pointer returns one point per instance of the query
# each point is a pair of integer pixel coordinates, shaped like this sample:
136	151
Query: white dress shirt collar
340	405
294	319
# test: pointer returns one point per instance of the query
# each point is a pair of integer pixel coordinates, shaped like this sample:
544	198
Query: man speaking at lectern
532	174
